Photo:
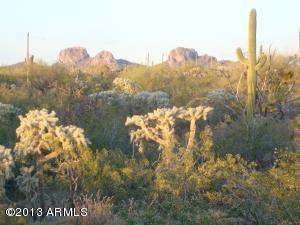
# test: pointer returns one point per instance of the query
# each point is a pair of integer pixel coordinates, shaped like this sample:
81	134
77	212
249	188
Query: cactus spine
253	65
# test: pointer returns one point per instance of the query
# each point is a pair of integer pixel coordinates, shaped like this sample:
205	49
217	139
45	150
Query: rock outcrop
206	59
104	58
78	57
73	56
179	56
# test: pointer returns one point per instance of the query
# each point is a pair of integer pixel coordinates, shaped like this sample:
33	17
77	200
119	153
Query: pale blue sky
131	28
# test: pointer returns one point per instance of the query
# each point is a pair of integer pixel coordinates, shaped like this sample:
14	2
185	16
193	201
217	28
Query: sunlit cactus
151	100
6	163
159	126
126	86
253	65
71	137
43	140
28	58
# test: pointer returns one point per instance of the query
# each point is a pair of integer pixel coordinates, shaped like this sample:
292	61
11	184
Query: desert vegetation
213	143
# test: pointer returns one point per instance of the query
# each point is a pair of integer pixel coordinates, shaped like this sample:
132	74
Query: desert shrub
99	70
226	105
257	145
8	123
107	111
102	119
99	212
267	197
4	219
119	176
181	87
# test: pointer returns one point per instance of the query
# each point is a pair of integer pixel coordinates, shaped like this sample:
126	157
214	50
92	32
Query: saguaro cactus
253	65
29	58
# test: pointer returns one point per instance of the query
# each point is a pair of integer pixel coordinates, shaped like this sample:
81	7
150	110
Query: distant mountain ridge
179	56
78	56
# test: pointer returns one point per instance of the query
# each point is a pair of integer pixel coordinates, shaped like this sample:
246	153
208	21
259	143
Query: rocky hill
179	56
73	56
78	57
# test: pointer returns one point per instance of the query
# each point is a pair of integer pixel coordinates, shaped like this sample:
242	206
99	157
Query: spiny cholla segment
6	163
71	136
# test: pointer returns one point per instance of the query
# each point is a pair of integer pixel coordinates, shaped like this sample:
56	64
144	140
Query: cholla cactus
41	138
142	100
111	96
159	126
28	183
36	132
126	86
72	160
71	137
193	115
6	163
219	95
157	99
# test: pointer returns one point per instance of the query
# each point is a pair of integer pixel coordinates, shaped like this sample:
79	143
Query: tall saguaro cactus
299	43
29	58
253	65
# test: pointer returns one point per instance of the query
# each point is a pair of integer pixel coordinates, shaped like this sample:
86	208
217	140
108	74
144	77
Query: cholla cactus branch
193	115
159	126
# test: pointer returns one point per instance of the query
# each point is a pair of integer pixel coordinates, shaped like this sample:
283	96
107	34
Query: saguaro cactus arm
241	57
261	59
